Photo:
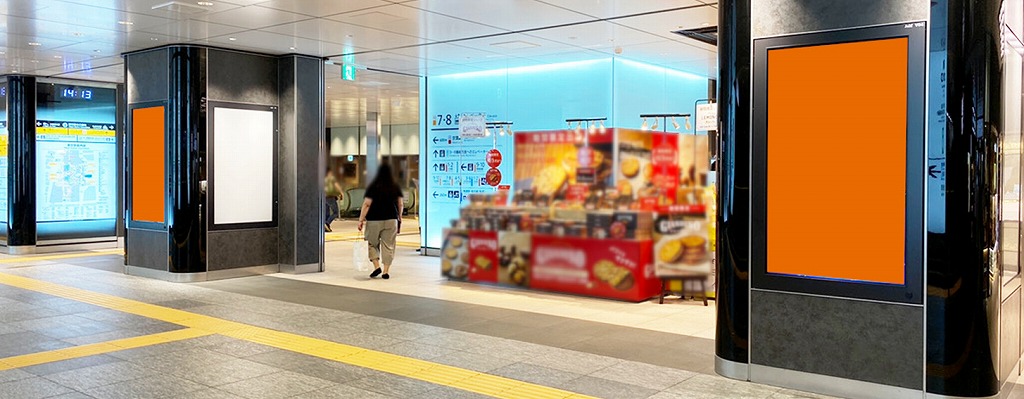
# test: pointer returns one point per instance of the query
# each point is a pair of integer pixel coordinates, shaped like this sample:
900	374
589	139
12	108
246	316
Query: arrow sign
933	171
435	140
435	153
435	194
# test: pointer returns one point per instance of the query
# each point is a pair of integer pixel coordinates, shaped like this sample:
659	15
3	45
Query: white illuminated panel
243	166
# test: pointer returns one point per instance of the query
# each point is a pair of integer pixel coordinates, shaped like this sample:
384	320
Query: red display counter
617	269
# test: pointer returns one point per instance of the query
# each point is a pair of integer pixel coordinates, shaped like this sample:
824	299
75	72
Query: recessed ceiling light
95	51
14	71
35	61
57	56
705	24
126	22
515	44
153	39
232	39
205	3
291	48
3	52
34	44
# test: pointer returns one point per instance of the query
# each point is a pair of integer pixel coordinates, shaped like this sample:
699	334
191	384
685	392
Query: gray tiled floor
584	357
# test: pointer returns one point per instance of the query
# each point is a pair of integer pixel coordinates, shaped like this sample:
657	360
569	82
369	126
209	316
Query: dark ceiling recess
707	34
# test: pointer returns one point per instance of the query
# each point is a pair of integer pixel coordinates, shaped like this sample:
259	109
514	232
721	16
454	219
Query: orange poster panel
148	177
837	145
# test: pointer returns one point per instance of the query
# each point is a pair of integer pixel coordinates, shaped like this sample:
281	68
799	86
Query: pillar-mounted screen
837	200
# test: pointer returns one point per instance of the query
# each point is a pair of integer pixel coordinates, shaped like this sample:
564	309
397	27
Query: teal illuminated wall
538	97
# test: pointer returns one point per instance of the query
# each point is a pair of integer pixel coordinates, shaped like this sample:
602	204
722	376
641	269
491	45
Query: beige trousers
380	234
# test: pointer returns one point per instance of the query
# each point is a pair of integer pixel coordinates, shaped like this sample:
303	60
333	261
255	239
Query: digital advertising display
837	163
3	157
76	161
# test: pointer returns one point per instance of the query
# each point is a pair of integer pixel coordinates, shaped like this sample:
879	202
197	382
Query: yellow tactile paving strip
199	325
332	237
74	352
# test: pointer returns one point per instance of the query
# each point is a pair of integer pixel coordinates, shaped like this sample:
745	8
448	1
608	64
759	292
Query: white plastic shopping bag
361	256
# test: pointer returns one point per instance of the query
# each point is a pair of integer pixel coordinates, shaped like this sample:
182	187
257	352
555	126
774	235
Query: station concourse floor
74	326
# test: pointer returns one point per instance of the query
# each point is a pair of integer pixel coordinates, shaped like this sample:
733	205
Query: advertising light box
76	161
838	155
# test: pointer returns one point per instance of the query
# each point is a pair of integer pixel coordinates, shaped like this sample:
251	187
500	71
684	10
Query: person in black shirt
381	214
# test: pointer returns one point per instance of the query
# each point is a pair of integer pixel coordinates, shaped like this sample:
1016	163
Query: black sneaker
376	272
385	276
327	228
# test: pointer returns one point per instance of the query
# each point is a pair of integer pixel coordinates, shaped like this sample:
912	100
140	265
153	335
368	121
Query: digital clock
74	93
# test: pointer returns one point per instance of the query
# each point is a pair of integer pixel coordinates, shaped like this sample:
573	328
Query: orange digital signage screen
837	161
148	175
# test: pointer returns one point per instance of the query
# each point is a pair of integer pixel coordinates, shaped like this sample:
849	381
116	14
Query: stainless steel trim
937	396
21	249
242	272
84	240
301	269
89	246
731	369
201	276
752	37
828	385
164	275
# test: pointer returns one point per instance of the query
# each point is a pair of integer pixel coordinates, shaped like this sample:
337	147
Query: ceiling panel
321	8
252	17
662	52
615	8
414	22
357	37
518	45
98	17
596	34
161	8
448	53
662	24
193	30
508	14
272	43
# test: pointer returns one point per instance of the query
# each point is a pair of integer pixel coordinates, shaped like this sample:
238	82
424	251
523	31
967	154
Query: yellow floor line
100	348
21	259
436	373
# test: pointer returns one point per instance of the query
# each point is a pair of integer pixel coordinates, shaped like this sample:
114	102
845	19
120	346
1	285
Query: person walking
381	214
332	193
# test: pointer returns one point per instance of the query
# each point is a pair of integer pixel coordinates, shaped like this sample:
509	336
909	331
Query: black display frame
131	222
912	290
211	156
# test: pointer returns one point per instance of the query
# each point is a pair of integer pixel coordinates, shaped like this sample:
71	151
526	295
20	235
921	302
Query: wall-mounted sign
348	72
472	125
707	117
493	158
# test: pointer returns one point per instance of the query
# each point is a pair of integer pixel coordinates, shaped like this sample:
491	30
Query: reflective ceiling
83	39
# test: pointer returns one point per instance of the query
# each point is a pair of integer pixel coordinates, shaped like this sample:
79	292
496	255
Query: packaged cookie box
598	223
632	225
681	243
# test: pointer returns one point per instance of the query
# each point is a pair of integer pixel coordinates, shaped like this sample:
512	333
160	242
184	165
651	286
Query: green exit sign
348	72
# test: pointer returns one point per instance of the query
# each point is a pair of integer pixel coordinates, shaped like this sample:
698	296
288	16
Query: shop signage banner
707	117
472	125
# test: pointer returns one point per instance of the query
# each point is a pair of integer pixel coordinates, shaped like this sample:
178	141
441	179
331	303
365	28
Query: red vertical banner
483	256
665	162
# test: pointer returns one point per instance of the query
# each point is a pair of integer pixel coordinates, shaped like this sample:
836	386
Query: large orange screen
148	177
837	145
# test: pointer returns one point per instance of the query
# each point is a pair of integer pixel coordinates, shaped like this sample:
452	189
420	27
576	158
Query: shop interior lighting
504	127
601	129
592	127
664	121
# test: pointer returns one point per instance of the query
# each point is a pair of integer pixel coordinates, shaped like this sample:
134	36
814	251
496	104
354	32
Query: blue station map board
76	162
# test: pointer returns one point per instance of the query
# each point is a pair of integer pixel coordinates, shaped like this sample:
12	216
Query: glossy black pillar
733	179
186	130
963	276
21	126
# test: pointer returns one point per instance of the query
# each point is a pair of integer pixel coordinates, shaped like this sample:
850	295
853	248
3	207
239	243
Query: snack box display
681	241
633	225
